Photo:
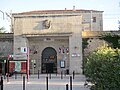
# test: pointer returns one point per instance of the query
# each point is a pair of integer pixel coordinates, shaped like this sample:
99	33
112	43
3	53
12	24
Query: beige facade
54	37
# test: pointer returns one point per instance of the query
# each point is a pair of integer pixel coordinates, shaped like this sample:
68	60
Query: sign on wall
23	49
18	66
62	64
20	57
75	54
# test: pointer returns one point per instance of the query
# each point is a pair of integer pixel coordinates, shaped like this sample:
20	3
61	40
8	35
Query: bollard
15	76
29	72
61	75
67	87
73	74
23	82
50	75
47	73
38	73
56	73
65	73
7	77
4	76
1	83
46	83
70	82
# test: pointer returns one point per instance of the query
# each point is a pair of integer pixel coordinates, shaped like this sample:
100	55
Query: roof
7	36
91	34
56	11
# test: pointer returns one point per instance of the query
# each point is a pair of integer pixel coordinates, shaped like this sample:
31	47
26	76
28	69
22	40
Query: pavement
55	82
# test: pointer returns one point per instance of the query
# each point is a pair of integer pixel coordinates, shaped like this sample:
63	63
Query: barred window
94	19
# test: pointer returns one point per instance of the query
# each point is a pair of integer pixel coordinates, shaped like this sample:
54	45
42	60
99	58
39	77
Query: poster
62	64
17	66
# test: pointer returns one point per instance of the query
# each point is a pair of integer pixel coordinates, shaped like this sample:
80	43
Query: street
54	82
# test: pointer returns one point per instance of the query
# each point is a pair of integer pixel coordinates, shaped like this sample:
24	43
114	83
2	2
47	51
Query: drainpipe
91	20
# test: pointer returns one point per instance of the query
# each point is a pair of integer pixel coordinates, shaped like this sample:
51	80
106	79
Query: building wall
58	24
75	45
28	25
6	48
38	44
89	25
30	30
35	19
6	44
93	44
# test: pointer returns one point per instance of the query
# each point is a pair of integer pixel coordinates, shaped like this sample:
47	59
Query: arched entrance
49	60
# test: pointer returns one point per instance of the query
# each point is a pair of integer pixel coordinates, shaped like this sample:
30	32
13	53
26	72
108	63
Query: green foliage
85	42
2	30
103	69
84	45
112	38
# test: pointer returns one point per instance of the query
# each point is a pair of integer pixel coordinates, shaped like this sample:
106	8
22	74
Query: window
94	19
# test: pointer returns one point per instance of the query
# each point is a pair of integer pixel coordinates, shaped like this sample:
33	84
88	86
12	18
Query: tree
84	45
2	30
112	38
102	69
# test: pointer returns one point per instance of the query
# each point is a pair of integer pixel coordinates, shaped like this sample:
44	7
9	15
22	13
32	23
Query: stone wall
38	44
6	44
58	24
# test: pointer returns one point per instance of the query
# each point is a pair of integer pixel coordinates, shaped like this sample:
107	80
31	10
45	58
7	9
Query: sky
111	8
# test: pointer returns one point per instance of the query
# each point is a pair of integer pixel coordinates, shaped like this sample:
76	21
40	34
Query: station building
54	38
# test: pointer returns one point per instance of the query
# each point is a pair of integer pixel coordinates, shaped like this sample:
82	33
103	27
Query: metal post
23	82
47	72
4	69
15	75
70	82
67	88
8	68
28	64
38	73
4	76
33	67
7	77
46	83
65	72
73	74
1	83
29	73
61	75
50	75
56	73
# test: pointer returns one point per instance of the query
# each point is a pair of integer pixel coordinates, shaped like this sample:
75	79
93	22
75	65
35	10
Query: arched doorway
49	60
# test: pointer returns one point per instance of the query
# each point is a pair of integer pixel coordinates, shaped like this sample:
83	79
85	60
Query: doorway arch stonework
49	60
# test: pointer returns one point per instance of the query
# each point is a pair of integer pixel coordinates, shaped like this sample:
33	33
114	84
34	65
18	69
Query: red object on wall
11	67
23	67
